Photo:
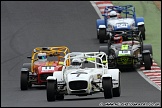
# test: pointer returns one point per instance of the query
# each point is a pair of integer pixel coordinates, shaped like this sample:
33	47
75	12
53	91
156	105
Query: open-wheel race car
118	18
84	73
126	50
44	61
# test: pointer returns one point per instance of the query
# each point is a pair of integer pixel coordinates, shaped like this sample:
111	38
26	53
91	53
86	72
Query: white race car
84	73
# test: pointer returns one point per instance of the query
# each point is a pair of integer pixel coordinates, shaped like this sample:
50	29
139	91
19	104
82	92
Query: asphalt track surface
29	24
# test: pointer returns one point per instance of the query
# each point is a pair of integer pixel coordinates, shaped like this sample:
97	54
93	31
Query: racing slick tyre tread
51	90
97	35
102	33
117	91
148	47
24	80
107	86
147	61
24	84
142	29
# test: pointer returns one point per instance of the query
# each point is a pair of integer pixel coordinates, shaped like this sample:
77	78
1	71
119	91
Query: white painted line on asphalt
149	80
103	5
149	70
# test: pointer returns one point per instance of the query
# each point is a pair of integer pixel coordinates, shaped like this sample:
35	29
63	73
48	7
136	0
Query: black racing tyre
108	87
148	47
102	34
60	96
142	29
101	40
147	61
117	91
27	65
104	49
24	80
51	90
97	35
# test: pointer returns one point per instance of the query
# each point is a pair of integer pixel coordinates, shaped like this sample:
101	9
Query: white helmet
42	57
113	14
77	63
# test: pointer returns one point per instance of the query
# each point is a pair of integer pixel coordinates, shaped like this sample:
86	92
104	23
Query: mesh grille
77	85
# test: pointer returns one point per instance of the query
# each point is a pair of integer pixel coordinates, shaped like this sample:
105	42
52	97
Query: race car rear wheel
24	80
142	29
147	61
102	35
108	87
51	90
25	83
117	91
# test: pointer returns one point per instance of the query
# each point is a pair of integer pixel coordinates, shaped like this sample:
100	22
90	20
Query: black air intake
77	85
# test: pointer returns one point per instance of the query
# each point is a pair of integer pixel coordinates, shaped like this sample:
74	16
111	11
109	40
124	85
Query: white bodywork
91	75
114	22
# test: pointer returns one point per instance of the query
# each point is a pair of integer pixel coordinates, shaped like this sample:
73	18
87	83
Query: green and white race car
129	52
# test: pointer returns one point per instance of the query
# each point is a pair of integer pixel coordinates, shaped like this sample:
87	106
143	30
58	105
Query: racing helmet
113	14
118	39
42	56
76	63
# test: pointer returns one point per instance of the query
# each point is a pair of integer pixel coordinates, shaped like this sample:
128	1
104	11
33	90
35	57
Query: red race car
44	61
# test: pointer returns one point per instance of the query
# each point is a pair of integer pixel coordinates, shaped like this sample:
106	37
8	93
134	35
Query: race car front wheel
117	91
51	90
24	80
107	86
102	35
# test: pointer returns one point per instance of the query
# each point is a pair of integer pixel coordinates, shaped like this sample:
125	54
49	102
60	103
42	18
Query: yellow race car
44	61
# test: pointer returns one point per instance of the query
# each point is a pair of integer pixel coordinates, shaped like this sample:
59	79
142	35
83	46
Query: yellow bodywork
59	51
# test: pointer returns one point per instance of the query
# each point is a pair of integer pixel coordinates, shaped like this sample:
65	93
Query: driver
117	39
113	14
76	63
42	57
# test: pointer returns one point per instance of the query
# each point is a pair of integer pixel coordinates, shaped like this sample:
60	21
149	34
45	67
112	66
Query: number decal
46	68
124	52
121	25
